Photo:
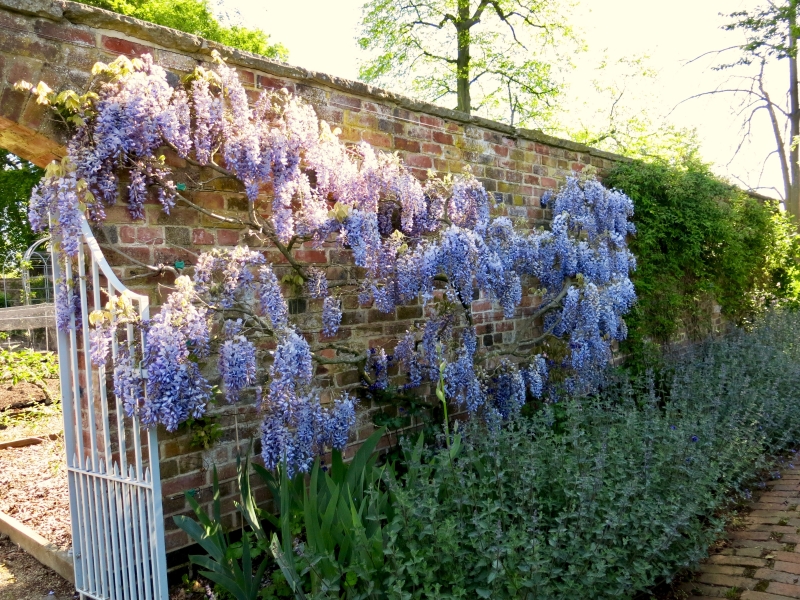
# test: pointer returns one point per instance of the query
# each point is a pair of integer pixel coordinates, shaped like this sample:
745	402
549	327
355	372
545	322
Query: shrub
701	240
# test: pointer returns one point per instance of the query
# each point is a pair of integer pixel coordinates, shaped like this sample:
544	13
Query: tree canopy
196	17
17	178
493	57
619	114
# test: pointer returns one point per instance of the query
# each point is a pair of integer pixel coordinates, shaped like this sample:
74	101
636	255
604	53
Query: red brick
168	256
173	160
118	214
784	589
175	539
753	595
312	256
209	200
65	33
12	103
127	234
34	114
247	77
350	102
787	566
431	121
417	160
181	484
270	82
549	182
728	581
407	145
501	150
443	138
432	149
227	237
149	235
126	47
419	132
202	237
379	140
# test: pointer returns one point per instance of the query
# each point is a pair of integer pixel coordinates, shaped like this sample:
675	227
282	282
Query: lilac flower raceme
461	382
295	441
100	344
175	337
291	370
331	315
237	364
506	390
272	301
378	363
128	381
58	196
317	283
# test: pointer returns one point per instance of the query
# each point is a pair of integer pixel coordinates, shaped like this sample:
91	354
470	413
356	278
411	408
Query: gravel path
34	490
22	577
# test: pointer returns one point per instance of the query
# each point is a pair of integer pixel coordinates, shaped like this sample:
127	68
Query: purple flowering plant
435	242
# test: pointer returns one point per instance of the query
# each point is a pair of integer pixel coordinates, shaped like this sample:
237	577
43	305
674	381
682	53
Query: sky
320	35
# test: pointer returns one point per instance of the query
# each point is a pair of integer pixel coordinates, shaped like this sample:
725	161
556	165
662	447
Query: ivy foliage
197	18
700	240
17	178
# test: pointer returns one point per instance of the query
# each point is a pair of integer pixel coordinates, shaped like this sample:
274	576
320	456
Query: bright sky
320	35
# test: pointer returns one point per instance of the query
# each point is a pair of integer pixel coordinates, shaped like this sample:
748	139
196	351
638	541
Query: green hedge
701	240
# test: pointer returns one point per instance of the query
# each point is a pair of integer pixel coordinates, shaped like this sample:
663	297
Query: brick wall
58	42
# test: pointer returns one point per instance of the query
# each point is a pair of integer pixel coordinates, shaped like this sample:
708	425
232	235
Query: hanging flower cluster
435	242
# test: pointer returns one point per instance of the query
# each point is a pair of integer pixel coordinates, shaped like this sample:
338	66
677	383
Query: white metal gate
112	462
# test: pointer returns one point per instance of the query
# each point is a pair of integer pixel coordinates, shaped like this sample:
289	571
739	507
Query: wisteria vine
434	242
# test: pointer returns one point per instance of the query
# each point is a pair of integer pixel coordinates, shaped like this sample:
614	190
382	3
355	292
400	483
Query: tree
771	34
434	242
493	56
17	179
617	114
197	18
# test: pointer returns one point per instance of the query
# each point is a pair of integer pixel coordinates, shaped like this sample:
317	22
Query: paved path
762	561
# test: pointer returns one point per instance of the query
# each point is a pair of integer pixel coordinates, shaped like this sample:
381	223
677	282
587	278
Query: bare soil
34	490
24	394
25	412
22	577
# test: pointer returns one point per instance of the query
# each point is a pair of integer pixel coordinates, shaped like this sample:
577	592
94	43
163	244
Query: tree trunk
793	193
462	62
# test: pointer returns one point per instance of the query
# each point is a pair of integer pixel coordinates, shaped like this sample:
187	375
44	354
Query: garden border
29	540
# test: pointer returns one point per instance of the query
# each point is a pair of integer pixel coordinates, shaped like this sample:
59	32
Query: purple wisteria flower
434	245
237	363
100	344
331	315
